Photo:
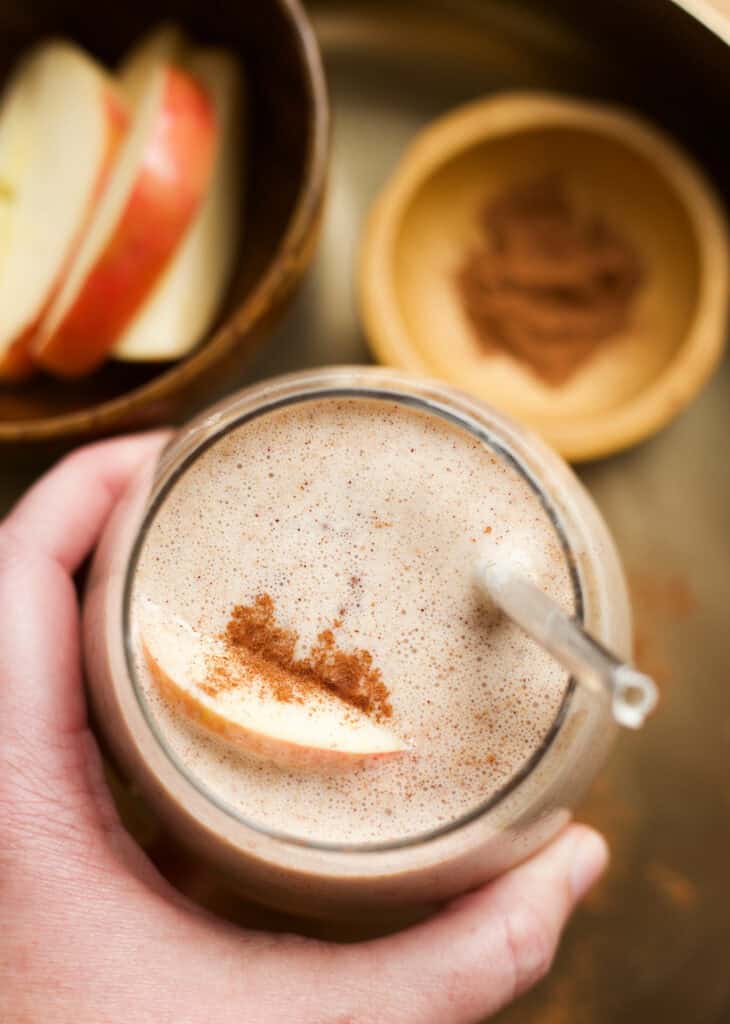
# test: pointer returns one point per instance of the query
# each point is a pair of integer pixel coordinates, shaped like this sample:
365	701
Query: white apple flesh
57	165
15	124
164	44
187	296
157	185
317	732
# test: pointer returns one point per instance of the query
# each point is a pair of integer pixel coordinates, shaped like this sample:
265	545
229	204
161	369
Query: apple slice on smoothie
296	727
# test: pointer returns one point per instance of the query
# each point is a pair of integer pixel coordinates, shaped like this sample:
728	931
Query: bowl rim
585	436
278	278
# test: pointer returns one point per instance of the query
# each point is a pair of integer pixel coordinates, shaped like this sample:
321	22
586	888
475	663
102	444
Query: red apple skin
169	188
17	362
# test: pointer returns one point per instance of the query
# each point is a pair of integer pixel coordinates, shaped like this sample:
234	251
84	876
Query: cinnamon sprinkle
548	283
255	640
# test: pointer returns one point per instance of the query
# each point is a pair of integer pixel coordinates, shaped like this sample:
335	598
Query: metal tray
652	942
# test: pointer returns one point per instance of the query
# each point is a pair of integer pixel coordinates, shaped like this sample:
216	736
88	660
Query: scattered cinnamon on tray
548	284
661	603
255	640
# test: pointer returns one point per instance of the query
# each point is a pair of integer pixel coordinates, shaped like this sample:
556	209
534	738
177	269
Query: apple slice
156	187
164	44
57	164
318	732
15	122
187	296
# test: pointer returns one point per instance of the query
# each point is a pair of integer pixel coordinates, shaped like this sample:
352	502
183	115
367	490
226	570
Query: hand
92	933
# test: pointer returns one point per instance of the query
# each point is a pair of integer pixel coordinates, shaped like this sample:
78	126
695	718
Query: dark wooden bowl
287	145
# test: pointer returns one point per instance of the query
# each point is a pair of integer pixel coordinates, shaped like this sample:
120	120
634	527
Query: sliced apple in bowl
186	298
315	730
15	124
164	44
157	185
62	119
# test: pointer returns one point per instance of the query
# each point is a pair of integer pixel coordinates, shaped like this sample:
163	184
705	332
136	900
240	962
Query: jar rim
369	383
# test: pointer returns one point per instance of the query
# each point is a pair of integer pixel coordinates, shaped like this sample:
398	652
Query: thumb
485	948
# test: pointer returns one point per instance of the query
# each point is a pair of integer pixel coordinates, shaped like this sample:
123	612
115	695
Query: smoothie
289	656
356	521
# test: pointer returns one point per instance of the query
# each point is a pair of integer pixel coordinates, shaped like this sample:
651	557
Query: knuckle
19	556
80	463
12	553
77	458
531	944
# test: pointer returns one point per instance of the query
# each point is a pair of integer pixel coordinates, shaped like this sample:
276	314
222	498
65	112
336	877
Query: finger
62	515
56	811
484	949
44	538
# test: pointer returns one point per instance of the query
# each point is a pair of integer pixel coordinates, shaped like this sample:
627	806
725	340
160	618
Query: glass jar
322	879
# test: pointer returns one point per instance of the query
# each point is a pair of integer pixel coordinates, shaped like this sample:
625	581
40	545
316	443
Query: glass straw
633	694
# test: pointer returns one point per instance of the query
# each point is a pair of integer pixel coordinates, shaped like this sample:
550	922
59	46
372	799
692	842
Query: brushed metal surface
653	942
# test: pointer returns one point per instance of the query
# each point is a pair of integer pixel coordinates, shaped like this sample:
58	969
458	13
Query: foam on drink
365	517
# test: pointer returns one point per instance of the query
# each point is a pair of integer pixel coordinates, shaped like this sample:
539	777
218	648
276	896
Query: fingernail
590	857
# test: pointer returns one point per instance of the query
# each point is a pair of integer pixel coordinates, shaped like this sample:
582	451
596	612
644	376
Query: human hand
92	933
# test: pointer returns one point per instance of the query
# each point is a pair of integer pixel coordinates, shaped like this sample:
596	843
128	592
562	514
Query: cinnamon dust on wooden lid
255	641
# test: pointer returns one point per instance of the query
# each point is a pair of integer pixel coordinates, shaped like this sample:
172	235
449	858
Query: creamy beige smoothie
306	551
363	518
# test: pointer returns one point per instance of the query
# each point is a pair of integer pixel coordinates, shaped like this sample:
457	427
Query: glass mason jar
327	879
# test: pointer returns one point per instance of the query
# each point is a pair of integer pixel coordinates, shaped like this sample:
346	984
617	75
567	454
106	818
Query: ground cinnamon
548	283
255	640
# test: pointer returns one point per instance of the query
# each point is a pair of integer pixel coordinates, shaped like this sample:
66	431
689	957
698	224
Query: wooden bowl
287	148
427	217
